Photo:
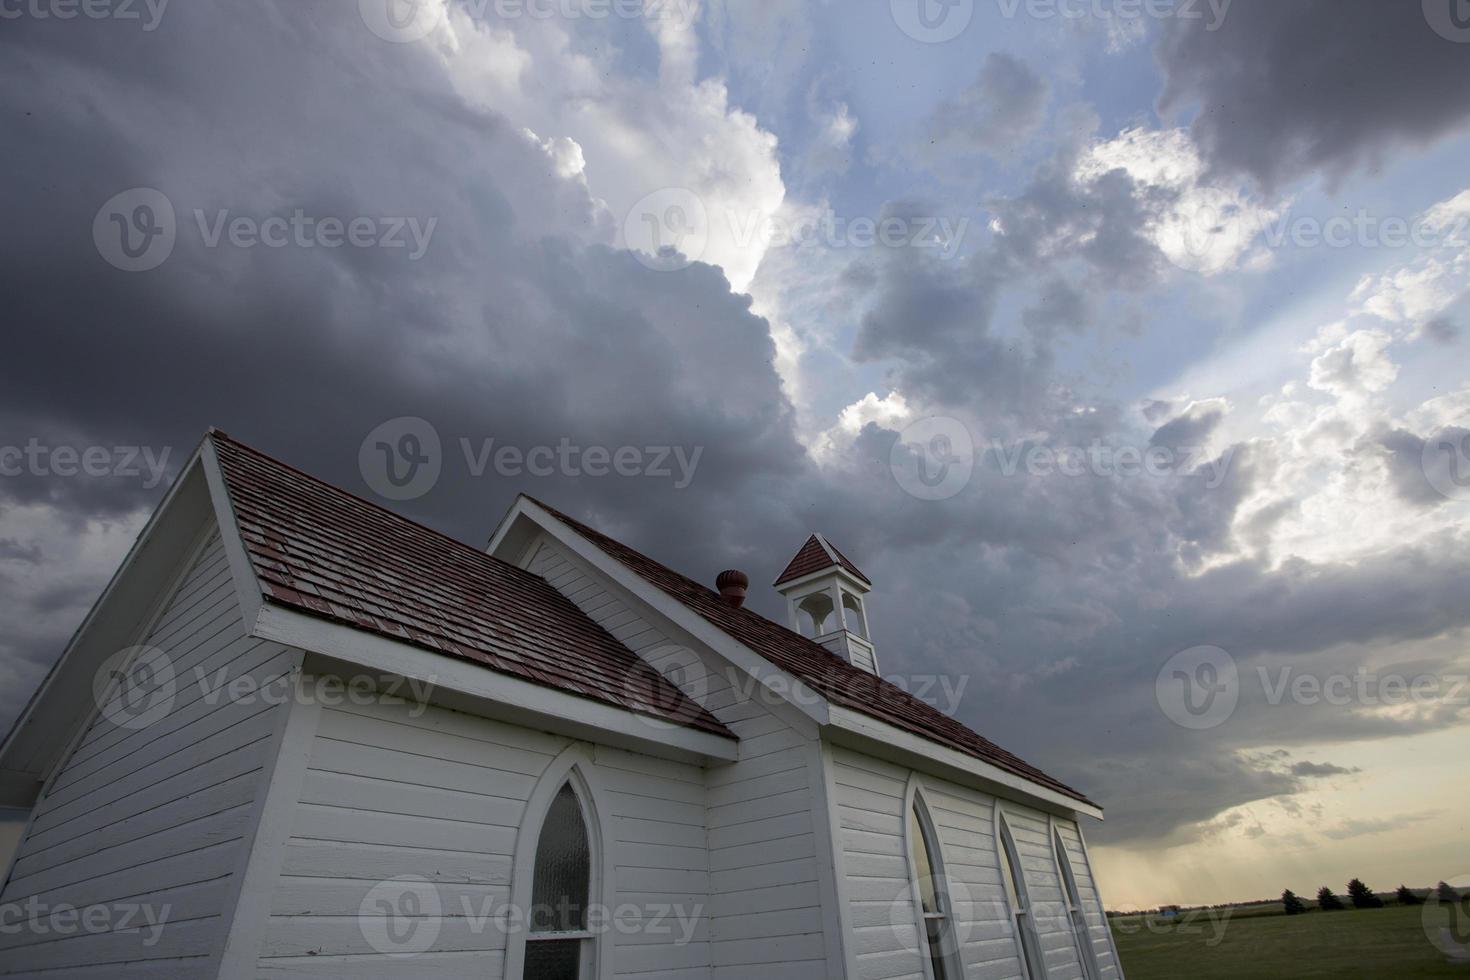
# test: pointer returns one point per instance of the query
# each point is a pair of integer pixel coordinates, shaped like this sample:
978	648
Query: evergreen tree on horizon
1407	896
1445	893
1292	904
1362	895
1326	901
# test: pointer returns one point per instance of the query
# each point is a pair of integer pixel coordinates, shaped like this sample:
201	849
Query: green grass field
1262	944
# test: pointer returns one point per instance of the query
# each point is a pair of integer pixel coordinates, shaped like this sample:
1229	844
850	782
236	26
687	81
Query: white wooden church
300	735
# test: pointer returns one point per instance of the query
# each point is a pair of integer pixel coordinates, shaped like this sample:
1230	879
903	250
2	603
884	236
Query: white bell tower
824	600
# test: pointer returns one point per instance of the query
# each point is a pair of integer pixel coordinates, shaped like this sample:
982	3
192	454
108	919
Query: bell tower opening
824	594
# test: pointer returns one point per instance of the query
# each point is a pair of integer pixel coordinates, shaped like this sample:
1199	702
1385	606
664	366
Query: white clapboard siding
765	906
1044	887
1087	889
871	808
154	820
401	790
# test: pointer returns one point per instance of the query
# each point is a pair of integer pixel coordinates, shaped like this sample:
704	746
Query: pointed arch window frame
1018	900
916	815
1072	899
574	767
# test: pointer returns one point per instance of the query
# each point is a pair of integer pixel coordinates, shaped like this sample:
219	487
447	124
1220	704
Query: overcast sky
1125	352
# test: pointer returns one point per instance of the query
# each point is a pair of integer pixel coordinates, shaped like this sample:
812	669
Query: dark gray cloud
994	116
1283	90
1059	597
1442	329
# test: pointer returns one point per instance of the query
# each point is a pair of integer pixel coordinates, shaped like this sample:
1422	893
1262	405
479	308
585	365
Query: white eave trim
242	572
827	572
470	687
879	737
785	685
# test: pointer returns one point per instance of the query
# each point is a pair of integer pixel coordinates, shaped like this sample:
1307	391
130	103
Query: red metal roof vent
733	585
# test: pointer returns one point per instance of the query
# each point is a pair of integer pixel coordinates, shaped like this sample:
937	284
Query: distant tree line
1362	897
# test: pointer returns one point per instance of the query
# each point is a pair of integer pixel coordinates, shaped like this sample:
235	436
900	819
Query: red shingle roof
324	551
827	674
817	554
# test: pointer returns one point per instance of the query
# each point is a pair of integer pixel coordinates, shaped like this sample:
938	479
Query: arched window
936	914
558	942
1025	921
1080	933
856	621
817	609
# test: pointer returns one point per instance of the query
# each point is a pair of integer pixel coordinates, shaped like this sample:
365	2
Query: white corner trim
537	705
1102	908
1020	789
242	571
247	906
831	865
778	681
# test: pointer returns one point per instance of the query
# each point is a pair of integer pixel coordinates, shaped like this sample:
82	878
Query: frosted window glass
563	869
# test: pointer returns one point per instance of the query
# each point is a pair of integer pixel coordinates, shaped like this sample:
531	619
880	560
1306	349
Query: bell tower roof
817	555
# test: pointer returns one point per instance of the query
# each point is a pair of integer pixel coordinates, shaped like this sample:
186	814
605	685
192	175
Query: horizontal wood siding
398	790
870	801
1087	889
155	818
1044	886
766	917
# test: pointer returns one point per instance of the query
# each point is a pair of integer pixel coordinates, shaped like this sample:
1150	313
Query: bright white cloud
1200	227
675	137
